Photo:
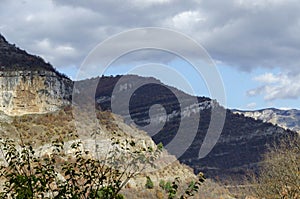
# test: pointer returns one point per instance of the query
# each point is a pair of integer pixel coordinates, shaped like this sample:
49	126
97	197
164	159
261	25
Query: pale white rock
27	92
287	119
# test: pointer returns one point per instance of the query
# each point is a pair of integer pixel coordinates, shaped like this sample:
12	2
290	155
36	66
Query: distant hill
242	142
288	119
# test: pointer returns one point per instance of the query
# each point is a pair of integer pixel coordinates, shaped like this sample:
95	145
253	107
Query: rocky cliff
288	119
28	84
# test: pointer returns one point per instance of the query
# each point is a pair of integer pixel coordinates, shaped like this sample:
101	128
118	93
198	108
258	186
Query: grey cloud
244	34
255	36
131	13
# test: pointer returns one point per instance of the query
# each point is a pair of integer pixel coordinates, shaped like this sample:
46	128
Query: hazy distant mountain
242	142
288	119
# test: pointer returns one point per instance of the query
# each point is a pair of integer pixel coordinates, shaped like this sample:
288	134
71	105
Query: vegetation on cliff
13	58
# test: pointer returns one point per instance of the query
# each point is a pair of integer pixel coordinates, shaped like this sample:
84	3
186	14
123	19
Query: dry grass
209	190
39	129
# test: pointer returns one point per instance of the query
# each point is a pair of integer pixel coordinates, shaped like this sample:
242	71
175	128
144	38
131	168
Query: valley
39	105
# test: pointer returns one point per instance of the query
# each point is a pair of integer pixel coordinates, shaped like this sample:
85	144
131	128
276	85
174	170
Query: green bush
171	188
79	176
149	184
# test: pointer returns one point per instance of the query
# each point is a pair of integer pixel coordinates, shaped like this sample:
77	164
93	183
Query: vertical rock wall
26	92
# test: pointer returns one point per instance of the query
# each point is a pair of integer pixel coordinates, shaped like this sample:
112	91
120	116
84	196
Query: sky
255	44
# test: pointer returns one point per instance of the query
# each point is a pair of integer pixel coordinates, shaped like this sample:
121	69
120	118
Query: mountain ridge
288	118
239	148
13	58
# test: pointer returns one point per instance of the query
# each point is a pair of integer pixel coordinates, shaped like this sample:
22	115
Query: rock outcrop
288	119
24	92
28	84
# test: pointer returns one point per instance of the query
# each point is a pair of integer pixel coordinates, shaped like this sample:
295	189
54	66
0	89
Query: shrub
149	184
279	176
78	176
171	188
160	146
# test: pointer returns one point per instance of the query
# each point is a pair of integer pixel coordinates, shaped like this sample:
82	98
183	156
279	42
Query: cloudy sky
255	43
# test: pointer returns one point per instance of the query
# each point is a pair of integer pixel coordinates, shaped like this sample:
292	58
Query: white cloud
146	3
29	18
281	86
253	92
260	3
187	20
268	78
52	52
251	105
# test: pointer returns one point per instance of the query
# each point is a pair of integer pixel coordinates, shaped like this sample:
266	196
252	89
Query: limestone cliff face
28	84
287	119
26	92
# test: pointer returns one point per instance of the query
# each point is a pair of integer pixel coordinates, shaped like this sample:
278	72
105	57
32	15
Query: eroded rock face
26	92
287	119
28	84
